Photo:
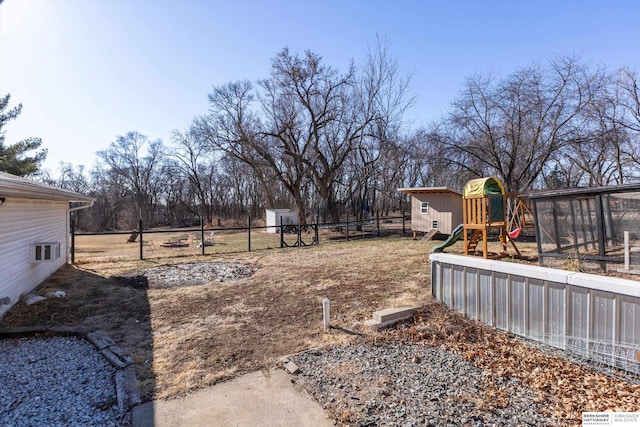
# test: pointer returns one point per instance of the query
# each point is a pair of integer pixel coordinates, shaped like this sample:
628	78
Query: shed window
434	224
45	251
424	208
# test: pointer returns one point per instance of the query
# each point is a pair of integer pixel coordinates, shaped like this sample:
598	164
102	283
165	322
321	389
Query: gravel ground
192	274
56	381
412	385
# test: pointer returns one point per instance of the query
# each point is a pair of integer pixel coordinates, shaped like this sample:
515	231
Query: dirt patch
168	276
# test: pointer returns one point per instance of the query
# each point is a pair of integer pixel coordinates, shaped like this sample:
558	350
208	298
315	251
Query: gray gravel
193	274
412	385
56	381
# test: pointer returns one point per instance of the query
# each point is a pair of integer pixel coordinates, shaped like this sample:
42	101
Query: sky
87	71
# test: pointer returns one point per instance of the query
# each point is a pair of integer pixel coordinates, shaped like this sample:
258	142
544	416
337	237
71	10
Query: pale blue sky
87	71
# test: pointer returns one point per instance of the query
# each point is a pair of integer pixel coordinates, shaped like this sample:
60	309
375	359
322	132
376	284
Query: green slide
455	235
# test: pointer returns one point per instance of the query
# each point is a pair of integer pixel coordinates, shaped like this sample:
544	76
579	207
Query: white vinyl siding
23	224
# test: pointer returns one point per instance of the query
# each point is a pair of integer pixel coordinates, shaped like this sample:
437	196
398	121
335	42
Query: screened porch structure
587	223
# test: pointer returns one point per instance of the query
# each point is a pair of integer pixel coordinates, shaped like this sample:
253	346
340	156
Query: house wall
22	223
446	208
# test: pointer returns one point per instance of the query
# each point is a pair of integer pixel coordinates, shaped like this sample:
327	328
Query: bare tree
135	169
199	164
629	98
511	127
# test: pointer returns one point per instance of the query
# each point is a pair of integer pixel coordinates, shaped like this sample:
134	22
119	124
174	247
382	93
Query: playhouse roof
415	190
482	186
15	186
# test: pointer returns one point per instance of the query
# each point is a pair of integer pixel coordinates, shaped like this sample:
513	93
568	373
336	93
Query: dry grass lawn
183	338
188	337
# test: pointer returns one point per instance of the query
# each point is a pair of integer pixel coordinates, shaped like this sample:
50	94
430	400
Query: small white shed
288	217
34	234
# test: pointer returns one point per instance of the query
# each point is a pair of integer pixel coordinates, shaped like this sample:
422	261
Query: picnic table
176	242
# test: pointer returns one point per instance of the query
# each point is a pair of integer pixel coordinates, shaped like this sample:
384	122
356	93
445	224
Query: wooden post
556	228
140	230
484	217
601	230
538	231
249	234
465	220
73	241
573	224
202	234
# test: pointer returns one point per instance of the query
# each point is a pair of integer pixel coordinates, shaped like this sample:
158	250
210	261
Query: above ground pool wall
596	317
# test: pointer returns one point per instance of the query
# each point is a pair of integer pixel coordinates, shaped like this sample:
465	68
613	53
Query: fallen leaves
565	389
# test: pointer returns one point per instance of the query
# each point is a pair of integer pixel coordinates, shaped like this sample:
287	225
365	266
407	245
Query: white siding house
274	216
34	231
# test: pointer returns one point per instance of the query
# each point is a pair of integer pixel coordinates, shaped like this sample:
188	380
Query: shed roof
414	190
15	186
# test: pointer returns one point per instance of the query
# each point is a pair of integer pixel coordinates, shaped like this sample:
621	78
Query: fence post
317	237
347	225
403	223
73	241
299	236
202	234
249	234
281	234
140	230
377	223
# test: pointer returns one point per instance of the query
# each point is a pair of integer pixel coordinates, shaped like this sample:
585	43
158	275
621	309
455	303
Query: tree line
327	143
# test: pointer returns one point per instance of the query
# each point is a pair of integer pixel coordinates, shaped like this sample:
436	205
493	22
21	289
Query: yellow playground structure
486	206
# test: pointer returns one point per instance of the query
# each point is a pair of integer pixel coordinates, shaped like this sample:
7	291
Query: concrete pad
253	399
390	314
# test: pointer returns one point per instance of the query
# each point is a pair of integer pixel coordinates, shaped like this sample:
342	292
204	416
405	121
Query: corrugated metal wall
597	317
22	223
446	208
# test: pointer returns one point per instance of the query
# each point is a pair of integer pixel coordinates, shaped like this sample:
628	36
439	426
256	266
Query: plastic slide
455	235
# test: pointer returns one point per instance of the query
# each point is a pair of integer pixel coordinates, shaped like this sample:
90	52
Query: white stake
325	314
626	251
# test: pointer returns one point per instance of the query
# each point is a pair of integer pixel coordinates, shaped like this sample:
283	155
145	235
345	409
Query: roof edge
410	190
22	188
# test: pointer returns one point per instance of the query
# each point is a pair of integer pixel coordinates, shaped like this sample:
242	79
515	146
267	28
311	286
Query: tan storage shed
434	209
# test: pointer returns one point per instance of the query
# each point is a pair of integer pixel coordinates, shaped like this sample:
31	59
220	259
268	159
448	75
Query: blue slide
455	235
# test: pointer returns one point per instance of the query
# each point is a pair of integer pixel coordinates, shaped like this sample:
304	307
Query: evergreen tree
14	158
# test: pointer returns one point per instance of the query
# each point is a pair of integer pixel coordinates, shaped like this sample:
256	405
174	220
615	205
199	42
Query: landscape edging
125	376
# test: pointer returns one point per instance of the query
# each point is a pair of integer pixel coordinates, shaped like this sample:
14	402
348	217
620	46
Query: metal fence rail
287	236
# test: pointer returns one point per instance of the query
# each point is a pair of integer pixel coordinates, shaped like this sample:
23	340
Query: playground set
487	208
